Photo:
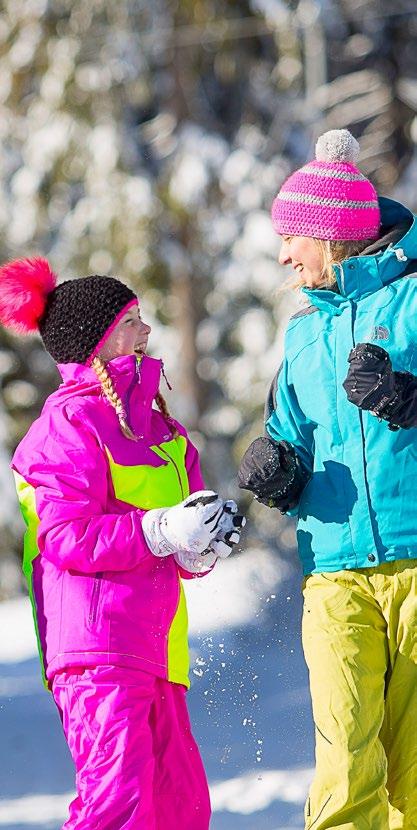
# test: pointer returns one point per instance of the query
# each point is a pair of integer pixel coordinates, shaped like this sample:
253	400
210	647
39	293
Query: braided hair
110	393
163	408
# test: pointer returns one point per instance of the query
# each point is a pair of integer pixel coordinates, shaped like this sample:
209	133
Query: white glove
187	528
230	528
228	535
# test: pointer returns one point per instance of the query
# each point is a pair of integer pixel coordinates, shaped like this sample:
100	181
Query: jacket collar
359	276
79	379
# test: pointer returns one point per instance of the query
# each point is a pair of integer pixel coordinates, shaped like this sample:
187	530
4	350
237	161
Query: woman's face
302	253
129	336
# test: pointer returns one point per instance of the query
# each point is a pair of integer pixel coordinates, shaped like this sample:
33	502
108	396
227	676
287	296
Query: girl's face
302	253
129	336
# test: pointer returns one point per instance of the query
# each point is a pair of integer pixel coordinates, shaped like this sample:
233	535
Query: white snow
103	146
46	144
254	331
243	795
274	10
233	593
223	420
251	792
44	810
18	641
237	167
189	180
8	507
258	237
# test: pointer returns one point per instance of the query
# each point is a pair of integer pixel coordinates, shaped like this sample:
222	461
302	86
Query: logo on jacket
379	333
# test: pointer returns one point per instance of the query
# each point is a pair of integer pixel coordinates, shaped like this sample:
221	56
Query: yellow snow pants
360	644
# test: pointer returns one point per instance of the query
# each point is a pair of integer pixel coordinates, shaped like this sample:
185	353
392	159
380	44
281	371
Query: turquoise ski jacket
359	508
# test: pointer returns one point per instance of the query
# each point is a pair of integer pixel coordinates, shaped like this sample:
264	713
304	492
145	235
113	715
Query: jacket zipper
128	397
368	496
176	469
133	382
92	617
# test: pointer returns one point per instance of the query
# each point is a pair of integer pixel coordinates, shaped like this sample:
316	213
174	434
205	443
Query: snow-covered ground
249	704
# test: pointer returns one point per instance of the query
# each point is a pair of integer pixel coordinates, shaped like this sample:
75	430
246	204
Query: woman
341	453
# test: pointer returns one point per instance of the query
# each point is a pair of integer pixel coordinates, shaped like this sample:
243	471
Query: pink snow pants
137	764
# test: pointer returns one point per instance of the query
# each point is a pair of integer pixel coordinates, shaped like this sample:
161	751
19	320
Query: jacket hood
392	255
82	380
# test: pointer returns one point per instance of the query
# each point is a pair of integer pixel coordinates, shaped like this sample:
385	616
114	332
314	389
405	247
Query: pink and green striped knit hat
328	198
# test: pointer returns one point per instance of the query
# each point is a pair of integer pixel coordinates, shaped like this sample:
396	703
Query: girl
341	452
104	482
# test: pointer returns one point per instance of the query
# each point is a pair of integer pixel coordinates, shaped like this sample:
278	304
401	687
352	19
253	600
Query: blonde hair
110	393
333	252
163	408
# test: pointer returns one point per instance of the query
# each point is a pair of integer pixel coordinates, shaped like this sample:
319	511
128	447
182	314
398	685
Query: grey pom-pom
337	145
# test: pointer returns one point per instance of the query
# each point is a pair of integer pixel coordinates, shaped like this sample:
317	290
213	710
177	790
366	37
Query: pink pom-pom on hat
24	288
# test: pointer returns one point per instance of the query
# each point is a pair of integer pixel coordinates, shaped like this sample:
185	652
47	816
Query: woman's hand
370	381
272	471
371	384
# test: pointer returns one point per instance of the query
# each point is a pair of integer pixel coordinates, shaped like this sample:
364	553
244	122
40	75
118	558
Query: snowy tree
148	139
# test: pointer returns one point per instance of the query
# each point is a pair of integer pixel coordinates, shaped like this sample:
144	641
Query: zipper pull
165	377
138	368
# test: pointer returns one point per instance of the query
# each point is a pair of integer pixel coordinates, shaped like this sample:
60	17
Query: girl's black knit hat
77	315
72	318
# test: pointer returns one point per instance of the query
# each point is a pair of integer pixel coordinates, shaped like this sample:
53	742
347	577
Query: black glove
272	471
370	381
371	384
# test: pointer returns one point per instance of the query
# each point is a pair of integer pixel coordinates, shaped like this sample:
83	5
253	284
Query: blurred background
147	139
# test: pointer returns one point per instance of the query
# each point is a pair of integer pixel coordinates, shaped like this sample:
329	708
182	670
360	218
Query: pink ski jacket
99	596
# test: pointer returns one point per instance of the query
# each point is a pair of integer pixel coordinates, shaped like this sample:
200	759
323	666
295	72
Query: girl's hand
231	526
228	535
189	527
